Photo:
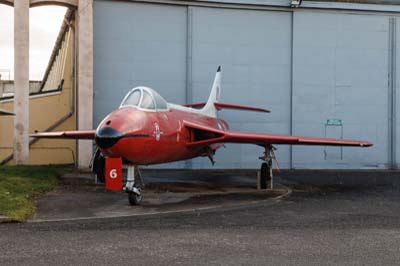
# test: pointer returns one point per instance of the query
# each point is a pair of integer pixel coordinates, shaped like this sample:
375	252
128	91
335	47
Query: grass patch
20	184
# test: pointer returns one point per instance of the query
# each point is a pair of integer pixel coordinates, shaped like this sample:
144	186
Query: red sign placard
113	173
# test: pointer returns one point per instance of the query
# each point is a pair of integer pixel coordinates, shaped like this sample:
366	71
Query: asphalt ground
73	203
313	226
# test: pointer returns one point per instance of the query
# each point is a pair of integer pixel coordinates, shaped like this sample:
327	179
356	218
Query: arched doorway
84	62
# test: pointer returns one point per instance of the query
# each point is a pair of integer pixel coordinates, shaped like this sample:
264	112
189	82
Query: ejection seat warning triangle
113	173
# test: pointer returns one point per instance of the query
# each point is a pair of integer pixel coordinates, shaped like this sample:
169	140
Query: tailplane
213	105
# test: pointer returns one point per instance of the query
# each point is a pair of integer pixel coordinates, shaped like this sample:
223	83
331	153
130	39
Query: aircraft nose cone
107	136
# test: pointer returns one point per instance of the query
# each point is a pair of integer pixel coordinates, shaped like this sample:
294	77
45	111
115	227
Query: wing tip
366	144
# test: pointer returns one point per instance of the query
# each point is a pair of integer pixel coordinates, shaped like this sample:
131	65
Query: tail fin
210	109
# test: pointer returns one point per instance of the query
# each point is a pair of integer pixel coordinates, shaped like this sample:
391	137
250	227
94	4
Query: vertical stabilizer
209	109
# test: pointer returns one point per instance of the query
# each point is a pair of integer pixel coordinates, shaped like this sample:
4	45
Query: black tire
264	175
99	164
135	199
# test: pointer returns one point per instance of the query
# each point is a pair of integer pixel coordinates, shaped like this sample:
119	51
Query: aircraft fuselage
143	137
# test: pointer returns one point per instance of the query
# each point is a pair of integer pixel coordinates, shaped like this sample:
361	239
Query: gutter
375	2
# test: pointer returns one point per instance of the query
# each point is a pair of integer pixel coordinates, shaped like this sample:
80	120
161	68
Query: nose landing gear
133	188
266	174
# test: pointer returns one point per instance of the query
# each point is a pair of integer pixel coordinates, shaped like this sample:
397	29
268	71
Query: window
147	101
145	98
160	102
132	99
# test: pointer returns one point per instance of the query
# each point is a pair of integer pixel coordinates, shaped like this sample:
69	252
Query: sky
45	23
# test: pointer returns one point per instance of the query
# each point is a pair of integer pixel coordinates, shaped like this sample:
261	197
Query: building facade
324	69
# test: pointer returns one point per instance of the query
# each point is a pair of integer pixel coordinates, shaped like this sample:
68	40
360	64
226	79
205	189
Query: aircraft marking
157	131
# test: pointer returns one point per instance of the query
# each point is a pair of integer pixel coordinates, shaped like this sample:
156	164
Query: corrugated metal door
340	74
137	44
254	49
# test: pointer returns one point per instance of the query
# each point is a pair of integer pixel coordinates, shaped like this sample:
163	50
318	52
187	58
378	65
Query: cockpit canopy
145	98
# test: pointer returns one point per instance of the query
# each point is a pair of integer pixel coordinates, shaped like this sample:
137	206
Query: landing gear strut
97	165
266	167
133	188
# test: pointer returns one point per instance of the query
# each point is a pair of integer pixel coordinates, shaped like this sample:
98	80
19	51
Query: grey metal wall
254	49
137	44
144	44
340	71
308	67
396	90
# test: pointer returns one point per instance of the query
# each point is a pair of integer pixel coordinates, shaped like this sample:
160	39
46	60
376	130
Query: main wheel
264	175
135	199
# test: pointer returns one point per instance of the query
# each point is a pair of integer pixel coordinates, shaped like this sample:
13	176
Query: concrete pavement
171	192
319	226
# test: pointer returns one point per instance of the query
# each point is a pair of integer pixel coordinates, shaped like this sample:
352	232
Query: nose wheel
133	187
136	197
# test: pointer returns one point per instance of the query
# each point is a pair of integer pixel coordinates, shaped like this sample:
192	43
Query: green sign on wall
334	122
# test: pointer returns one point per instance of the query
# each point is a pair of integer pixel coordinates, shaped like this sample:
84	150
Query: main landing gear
133	188
266	174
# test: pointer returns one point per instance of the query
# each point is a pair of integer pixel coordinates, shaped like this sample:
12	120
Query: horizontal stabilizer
221	106
239	107
196	105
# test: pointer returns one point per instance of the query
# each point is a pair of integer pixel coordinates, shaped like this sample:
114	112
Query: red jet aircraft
147	130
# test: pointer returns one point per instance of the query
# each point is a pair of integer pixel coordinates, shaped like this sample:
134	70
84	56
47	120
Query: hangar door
177	49
340	87
137	45
254	49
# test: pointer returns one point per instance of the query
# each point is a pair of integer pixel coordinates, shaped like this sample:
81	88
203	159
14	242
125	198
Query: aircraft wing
204	135
262	139
4	112
78	134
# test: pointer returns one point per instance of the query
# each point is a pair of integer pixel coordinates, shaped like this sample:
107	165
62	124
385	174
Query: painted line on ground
200	209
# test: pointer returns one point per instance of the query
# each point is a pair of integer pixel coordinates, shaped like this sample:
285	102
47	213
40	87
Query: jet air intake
107	136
